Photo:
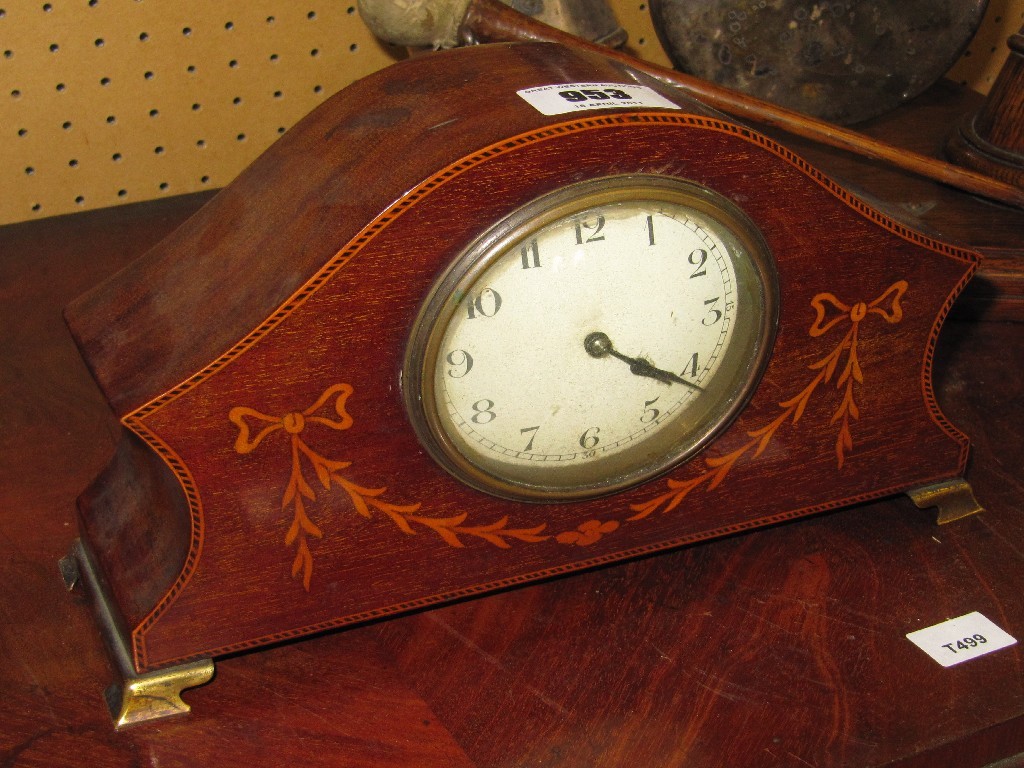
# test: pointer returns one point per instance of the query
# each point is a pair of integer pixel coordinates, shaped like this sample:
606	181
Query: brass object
953	497
155	695
134	698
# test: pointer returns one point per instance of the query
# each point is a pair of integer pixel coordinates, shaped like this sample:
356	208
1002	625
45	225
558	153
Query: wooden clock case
268	485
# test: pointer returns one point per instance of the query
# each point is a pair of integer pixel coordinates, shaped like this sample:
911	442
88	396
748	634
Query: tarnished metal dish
841	60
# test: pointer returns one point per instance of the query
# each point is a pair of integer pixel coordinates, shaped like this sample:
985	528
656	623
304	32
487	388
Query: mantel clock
482	318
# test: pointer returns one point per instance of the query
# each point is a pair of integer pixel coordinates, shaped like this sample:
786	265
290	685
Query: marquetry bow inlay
830	313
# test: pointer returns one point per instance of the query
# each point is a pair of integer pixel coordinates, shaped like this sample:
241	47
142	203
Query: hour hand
641	367
597	344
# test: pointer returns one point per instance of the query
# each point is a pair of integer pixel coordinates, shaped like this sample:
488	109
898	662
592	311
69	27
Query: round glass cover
597	337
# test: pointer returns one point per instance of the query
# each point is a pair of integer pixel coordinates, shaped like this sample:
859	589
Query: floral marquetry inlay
365	501
840	365
830	313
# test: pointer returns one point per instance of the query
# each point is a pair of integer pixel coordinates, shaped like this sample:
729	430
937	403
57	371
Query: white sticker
961	639
578	97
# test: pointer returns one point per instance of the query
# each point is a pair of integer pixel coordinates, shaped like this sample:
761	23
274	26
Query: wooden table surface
783	647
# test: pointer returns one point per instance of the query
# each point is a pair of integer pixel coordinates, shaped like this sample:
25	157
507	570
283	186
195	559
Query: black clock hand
597	344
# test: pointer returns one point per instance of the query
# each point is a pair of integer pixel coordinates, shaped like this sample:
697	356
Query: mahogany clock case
268	484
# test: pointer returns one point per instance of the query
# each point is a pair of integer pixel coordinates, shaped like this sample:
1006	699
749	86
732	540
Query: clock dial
597	331
600	336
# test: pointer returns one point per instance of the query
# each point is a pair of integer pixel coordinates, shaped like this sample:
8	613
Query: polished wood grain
782	647
318	186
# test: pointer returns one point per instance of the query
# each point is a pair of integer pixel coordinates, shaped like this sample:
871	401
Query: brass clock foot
954	499
134	698
155	695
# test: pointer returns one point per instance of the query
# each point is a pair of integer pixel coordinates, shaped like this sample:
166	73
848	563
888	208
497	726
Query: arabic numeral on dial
484	304
698	258
691	367
532	431
714	313
650	414
583	236
589	439
483	413
461	363
530	254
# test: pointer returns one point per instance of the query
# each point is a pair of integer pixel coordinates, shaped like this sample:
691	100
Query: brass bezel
462	273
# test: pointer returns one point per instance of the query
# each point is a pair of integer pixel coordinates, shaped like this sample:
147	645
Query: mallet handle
491	21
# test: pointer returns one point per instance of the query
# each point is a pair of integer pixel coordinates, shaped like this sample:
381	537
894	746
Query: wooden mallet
449	23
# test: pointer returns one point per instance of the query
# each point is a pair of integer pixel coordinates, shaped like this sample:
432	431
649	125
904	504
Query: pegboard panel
106	102
981	62
115	101
635	17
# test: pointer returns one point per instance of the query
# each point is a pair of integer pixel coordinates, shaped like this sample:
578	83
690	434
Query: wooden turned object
992	139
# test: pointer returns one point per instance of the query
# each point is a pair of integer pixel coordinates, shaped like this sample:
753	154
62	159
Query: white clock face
597	343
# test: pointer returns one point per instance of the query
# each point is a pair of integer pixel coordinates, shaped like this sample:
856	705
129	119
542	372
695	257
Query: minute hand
598	345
